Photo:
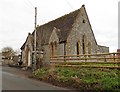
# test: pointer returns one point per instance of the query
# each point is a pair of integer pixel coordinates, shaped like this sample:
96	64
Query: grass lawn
81	78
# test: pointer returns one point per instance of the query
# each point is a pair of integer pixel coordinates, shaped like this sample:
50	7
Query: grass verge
80	78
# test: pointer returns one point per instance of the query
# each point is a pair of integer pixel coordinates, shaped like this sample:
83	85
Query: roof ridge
65	15
64	23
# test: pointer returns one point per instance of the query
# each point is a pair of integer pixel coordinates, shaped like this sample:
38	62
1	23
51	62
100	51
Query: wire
69	4
30	4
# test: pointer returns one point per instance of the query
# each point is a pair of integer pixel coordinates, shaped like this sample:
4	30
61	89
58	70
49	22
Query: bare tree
17	52
8	52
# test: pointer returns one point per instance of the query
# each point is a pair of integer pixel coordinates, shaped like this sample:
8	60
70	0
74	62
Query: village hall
70	34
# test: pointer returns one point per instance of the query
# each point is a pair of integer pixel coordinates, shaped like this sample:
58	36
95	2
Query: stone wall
46	55
61	49
80	35
103	49
27	48
81	27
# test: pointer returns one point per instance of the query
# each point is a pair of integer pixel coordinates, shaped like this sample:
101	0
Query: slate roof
63	23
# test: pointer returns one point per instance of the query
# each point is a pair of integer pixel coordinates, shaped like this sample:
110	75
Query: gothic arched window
84	44
55	48
78	47
51	49
89	47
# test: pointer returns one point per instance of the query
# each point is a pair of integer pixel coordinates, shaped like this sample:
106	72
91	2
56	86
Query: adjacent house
0	58
70	34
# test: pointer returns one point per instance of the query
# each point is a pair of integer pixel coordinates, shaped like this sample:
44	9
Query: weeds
81	78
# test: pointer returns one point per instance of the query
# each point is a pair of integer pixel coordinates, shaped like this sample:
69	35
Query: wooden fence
101	57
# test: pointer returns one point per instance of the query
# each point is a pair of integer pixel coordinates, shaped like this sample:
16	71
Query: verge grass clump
81	78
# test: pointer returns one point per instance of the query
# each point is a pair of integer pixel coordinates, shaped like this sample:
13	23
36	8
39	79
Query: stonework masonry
71	34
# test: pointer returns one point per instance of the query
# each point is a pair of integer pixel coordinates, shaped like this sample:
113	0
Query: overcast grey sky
17	19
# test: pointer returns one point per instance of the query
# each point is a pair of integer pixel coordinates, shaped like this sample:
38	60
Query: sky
119	24
17	19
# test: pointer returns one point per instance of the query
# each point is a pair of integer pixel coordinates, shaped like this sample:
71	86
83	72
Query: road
13	79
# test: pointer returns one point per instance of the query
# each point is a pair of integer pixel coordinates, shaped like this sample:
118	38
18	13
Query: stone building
1	60
70	34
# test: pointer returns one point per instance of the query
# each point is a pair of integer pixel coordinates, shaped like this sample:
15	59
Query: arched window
51	49
78	48
84	44
89	47
55	48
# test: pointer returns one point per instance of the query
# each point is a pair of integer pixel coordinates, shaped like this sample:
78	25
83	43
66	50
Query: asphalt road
16	81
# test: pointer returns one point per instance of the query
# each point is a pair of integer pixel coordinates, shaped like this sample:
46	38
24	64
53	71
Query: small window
83	20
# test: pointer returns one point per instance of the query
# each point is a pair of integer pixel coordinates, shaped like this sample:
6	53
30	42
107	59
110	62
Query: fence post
85	58
64	58
105	59
114	58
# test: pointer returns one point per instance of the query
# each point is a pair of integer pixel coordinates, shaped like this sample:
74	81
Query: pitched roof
31	37
63	23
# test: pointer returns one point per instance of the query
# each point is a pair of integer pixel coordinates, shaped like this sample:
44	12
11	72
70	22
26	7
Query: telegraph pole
35	53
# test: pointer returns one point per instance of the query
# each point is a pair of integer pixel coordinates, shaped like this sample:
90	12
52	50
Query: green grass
81	78
112	64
